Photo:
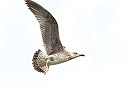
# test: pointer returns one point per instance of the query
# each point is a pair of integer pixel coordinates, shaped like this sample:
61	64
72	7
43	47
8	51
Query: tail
34	61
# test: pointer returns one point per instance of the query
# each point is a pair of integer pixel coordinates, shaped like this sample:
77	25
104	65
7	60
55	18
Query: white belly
52	59
56	61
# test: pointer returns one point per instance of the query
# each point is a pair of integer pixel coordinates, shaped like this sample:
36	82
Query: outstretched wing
48	26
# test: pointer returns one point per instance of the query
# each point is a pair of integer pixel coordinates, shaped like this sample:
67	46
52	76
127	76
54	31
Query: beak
81	55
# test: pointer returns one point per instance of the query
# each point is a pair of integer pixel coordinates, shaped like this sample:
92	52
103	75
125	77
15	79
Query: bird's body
52	59
56	53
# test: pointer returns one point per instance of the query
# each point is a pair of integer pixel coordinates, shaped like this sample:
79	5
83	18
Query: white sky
100	29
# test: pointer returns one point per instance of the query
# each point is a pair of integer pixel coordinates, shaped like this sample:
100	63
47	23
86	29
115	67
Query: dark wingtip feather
27	0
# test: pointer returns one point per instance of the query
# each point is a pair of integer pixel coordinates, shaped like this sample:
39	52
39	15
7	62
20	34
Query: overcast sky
100	29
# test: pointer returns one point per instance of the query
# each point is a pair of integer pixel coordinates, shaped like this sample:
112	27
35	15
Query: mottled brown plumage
34	60
56	53
48	26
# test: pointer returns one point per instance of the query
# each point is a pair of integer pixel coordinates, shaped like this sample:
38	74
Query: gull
55	52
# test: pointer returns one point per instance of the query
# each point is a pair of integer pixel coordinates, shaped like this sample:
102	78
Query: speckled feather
34	61
48	26
56	53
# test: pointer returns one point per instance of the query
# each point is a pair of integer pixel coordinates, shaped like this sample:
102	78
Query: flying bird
55	51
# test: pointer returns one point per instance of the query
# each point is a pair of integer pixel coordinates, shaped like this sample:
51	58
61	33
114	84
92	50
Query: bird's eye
75	53
68	55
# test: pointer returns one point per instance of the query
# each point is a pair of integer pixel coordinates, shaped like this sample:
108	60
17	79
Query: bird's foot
46	68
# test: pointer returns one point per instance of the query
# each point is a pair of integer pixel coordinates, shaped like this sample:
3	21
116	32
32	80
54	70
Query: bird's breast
54	61
57	59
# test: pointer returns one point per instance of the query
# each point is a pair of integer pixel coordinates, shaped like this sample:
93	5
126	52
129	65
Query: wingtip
27	0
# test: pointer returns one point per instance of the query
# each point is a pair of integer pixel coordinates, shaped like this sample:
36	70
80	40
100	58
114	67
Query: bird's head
75	54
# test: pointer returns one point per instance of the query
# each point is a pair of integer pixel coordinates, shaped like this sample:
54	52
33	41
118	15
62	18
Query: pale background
100	29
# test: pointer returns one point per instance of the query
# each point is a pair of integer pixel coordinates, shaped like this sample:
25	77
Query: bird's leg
46	68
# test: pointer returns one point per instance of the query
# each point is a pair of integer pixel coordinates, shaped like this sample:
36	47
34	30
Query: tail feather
34	61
